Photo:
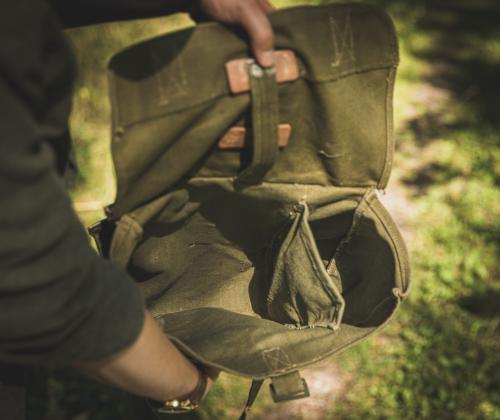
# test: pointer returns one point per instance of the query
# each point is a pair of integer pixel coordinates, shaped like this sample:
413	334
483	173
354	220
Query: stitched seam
389	134
394	237
329	288
231	178
363	69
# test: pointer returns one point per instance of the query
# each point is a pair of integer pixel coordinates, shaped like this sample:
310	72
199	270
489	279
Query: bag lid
171	103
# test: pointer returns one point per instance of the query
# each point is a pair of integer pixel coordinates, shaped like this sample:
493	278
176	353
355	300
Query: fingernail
267	59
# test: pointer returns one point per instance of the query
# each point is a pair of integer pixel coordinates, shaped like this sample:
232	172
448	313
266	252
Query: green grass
440	358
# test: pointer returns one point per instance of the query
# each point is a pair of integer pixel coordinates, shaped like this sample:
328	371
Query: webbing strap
265	120
127	235
252	395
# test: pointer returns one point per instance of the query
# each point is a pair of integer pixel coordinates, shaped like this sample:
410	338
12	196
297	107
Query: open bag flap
171	103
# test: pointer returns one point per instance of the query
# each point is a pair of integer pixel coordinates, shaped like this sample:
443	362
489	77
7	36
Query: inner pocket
302	293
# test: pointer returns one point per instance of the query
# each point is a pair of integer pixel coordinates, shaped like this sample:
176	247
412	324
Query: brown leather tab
287	70
235	137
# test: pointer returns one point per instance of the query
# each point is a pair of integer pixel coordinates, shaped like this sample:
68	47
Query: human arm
90	12
59	302
250	14
152	367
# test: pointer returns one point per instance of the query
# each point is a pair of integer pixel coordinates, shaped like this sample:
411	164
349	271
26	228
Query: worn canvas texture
260	260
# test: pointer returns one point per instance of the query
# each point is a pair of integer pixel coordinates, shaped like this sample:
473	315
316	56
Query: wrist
188	402
186	384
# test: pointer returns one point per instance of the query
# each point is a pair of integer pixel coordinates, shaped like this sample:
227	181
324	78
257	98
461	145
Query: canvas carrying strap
252	395
265	121
290	386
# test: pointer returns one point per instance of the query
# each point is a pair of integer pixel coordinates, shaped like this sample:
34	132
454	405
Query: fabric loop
289	387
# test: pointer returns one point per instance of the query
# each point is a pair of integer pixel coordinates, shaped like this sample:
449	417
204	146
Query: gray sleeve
88	12
59	302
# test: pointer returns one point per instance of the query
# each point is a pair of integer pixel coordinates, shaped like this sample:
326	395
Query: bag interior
254	273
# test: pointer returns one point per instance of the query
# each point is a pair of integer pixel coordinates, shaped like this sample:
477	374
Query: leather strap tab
288	387
235	137
286	66
265	119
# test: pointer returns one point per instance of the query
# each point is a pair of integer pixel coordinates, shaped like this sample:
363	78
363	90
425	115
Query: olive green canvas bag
247	206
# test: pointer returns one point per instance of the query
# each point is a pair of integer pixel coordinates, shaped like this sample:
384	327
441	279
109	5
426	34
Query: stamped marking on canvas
276	359
342	38
173	83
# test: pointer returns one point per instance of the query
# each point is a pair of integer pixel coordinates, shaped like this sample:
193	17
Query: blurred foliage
440	357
